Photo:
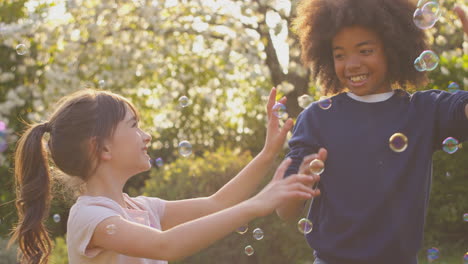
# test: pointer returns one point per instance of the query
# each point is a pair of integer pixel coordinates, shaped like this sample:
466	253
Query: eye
339	56
135	124
367	51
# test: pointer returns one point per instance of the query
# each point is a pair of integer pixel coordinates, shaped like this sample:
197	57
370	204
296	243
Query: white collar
371	98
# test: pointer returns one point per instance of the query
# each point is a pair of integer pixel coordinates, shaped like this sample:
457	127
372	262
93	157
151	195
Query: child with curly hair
377	139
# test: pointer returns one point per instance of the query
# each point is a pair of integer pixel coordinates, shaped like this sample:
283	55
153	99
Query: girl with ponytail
94	135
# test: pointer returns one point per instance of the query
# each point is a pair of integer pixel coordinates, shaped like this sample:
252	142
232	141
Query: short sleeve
450	119
303	142
82	224
156	205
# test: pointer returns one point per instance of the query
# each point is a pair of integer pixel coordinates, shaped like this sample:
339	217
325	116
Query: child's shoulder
86	206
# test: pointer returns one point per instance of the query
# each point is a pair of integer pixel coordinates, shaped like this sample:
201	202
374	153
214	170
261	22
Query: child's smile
360	61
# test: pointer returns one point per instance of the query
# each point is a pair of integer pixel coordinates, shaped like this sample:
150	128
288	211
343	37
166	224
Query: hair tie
46	127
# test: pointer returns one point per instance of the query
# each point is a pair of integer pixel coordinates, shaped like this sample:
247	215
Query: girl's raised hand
276	135
279	190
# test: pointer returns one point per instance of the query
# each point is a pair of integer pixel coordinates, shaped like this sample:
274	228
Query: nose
353	63
146	137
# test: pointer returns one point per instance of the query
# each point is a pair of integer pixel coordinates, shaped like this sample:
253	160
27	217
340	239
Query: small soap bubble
450	145
242	229
398	142
447	174
102	83
258	234
184	101
159	162
453	87
279	110
316	166
465	258
185	148
465	217
21	49
432	254
325	104
305	226
56	218
111	229
304	100
249	250
2	126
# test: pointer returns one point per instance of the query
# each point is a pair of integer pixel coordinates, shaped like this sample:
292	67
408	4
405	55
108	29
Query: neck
108	183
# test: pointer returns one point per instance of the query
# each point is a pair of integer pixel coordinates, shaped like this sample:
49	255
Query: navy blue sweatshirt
373	200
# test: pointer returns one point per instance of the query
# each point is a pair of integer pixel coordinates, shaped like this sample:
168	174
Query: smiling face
128	146
360	61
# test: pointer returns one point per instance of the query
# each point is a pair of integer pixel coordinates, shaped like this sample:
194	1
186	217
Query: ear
105	153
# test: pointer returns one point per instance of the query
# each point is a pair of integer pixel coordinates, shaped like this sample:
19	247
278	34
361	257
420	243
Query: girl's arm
137	240
239	188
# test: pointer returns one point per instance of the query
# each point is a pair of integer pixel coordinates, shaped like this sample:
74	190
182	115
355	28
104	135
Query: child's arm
137	240
291	209
461	14
239	188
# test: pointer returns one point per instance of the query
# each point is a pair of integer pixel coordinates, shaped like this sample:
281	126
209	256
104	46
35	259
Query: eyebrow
367	42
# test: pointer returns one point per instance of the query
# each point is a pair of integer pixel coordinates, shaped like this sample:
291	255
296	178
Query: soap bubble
249	251
21	49
305	226
432	254
450	145
279	110
242	229
316	166
101	83
453	87
426	16
185	148
325	104
258	233
184	101
398	142
56	218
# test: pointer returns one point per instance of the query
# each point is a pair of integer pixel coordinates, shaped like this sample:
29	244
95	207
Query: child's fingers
271	101
304	167
279	174
283	100
287	127
323	154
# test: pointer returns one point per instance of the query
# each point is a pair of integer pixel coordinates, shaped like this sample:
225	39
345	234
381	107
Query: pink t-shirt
89	211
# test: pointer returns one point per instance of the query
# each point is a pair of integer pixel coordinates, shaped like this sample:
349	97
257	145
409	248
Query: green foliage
59	253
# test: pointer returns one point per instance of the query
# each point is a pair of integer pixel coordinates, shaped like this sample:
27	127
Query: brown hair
318	21
82	117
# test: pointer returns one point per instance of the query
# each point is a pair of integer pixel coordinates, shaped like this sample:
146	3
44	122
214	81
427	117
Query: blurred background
224	56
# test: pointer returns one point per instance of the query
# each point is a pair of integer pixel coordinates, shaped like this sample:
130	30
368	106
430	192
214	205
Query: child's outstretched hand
279	190
463	18
276	135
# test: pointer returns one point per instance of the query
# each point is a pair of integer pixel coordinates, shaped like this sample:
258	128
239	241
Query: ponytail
33	195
